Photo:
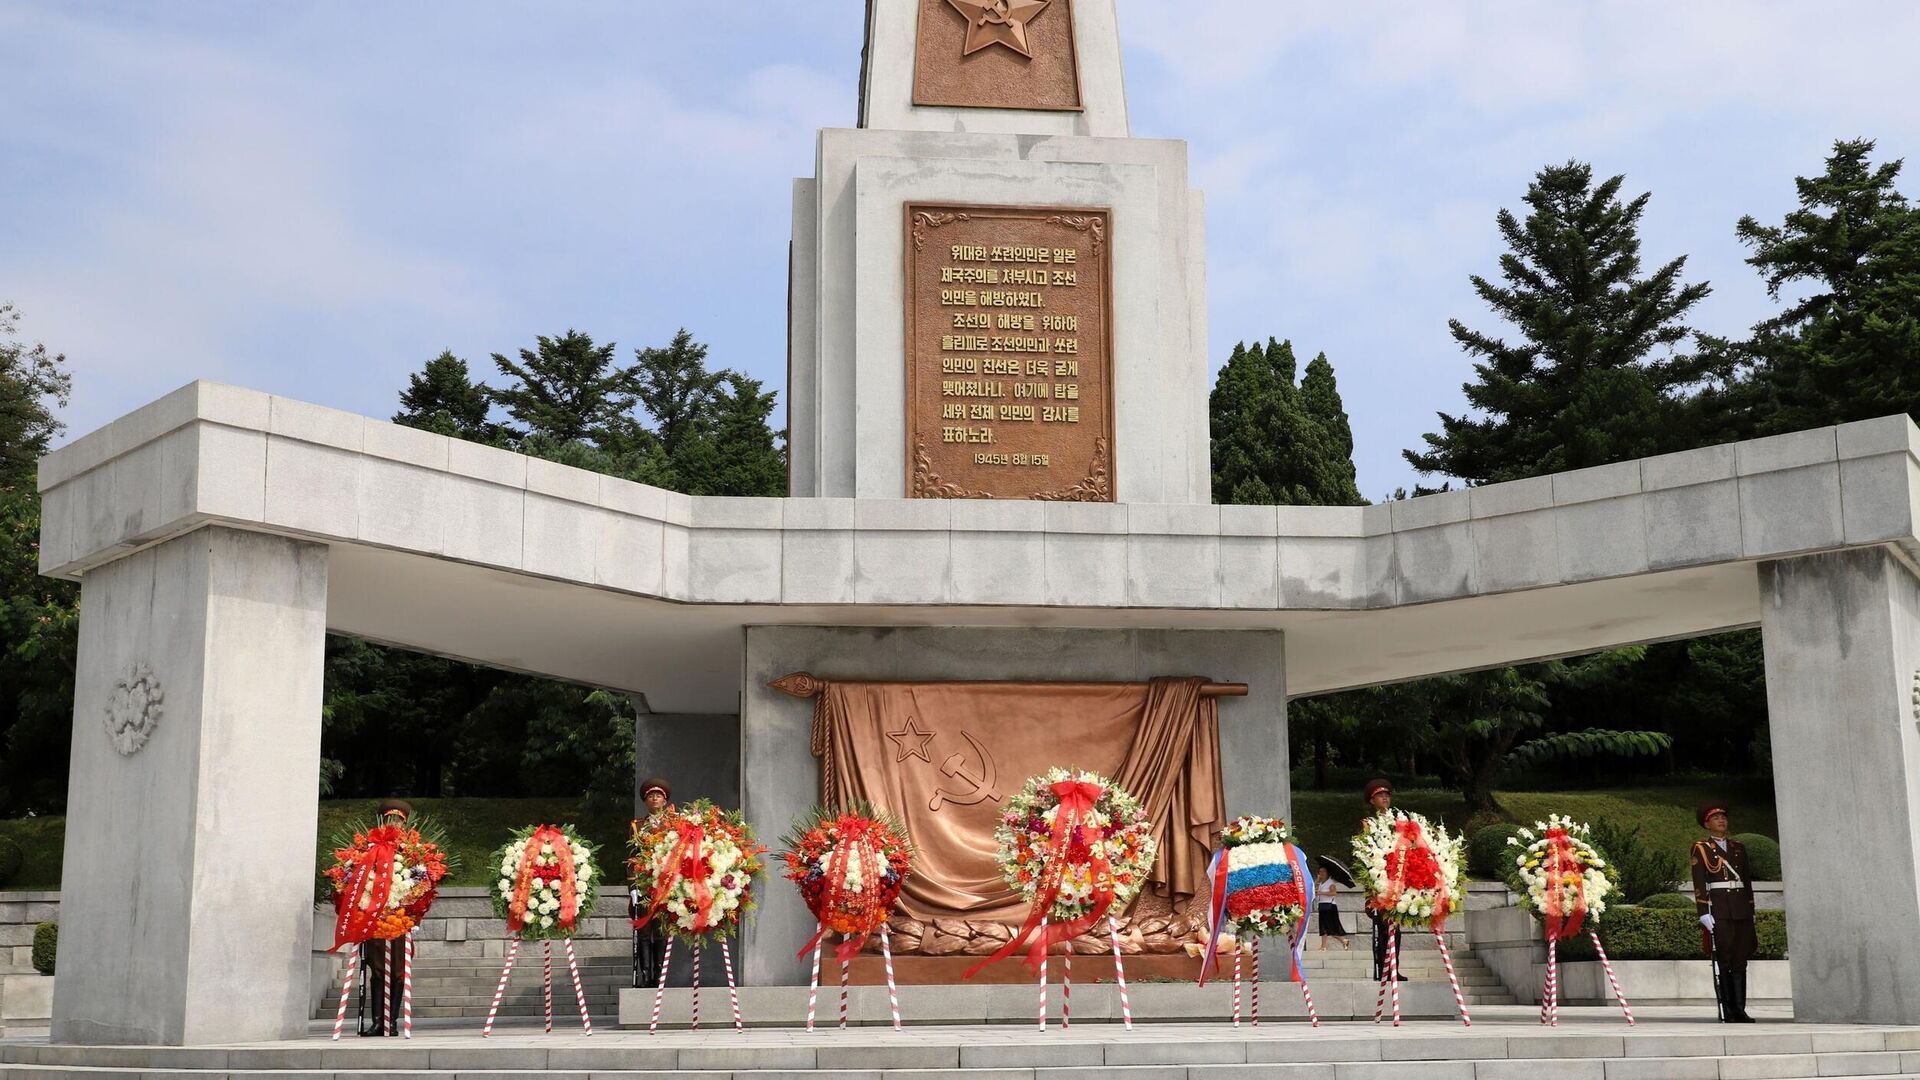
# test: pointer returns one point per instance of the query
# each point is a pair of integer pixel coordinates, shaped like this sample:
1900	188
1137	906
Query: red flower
1418	870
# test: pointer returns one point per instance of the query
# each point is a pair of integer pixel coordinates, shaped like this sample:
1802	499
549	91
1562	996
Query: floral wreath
694	864
547	881
849	865
1074	846
385	877
1409	868
1260	884
1559	875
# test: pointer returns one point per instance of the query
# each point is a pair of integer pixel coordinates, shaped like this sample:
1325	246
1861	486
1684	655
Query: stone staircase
1478	982
462	986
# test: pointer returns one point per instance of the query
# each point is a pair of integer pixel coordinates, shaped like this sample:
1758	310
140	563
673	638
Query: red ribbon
372	861
544	835
688	861
1407	840
1077	798
1562	921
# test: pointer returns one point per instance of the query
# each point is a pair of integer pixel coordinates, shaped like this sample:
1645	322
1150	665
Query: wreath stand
1252	951
1066	980
1550	987
406	989
813	984
546	985
660	991
1390	979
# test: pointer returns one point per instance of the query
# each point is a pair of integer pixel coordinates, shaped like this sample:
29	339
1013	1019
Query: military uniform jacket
1713	864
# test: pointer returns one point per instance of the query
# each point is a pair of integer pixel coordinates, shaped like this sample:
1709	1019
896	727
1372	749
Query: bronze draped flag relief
1009	352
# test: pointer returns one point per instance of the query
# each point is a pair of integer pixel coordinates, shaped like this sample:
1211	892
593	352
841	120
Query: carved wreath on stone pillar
133	709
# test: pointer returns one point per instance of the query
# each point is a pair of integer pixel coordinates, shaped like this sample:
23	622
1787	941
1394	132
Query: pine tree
568	390
33	383
675	388
443	398
1320	400
1269	445
733	450
1592	378
1849	349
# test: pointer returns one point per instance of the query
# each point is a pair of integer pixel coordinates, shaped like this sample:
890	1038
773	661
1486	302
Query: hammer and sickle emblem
981	781
994	14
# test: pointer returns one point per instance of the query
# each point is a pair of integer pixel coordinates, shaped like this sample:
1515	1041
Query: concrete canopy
476	553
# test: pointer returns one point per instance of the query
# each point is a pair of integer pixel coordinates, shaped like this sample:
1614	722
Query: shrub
1763	856
11	859
1658	933
1488	853
1643	871
1670	900
46	944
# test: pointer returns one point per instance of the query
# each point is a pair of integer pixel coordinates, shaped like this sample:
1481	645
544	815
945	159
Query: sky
314	199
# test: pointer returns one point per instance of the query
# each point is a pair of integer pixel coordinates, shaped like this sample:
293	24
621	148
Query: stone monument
999	473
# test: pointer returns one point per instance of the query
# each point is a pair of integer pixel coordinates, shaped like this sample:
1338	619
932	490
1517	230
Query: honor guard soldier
649	941
1379	795
1723	892
384	962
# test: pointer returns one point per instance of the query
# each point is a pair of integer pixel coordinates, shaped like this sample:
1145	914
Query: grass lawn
1325	820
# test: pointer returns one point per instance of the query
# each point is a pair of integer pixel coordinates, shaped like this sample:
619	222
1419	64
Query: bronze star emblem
998	22
911	741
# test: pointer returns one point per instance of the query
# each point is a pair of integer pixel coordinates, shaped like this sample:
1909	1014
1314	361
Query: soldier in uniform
384	961
1723	892
649	941
1379	795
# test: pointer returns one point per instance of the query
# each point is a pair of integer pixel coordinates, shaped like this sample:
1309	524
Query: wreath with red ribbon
1076	847
546	882
1410	868
849	866
694	867
1559	875
384	878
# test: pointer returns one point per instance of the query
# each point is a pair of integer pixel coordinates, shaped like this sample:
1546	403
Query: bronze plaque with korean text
1009	314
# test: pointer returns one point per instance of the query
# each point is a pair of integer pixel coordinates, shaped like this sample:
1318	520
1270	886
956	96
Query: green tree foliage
1847	344
1275	442
568	390
39	617
443	398
1644	871
1591	377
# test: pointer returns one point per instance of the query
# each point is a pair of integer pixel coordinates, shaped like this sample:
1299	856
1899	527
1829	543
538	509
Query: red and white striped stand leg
1446	957
506	970
733	989
893	995
389	1007
579	989
1393	975
1236	982
660	992
696	988
546	981
813	986
1607	965
1066	988
844	965
1254	943
1306	994
1120	973
346	988
1553	982
1043	977
406	988
1546	985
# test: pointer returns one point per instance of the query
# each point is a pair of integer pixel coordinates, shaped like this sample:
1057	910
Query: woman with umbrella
1327	882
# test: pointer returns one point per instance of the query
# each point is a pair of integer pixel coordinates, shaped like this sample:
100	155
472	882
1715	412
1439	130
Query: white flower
545	921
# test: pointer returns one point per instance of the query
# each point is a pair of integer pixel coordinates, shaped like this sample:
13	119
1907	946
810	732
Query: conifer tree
1271	443
443	398
1591	377
568	390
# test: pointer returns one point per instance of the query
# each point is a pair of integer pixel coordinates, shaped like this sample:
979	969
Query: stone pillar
780	780
1842	638
187	894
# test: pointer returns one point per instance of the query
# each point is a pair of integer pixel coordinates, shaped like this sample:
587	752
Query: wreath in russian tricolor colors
1410	869
849	866
546	882
694	866
385	877
1075	847
1259	885
1559	875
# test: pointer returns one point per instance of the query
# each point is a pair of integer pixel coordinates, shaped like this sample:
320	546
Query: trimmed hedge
1763	856
1657	933
12	858
46	945
1679	901
1487	852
